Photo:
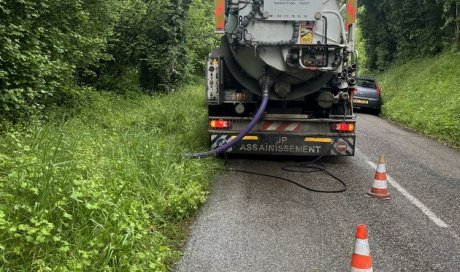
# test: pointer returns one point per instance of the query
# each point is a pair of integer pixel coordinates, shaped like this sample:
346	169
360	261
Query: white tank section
296	40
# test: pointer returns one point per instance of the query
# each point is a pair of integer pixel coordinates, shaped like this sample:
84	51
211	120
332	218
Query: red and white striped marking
380	178
362	247
361	260
281	126
379	188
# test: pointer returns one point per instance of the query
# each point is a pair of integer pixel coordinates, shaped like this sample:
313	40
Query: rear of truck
286	135
298	127
281	133
310	75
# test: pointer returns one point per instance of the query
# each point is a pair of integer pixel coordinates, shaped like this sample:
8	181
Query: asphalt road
254	223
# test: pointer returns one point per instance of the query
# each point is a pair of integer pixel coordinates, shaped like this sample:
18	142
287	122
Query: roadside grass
105	189
424	95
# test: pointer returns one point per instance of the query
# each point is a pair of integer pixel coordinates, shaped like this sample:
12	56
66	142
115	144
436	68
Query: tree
396	30
200	33
149	47
43	44
49	49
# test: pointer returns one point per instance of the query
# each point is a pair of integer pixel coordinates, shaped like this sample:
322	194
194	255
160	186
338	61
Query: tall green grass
424	95
106	189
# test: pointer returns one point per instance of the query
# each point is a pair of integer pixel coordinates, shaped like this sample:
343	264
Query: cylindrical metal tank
302	44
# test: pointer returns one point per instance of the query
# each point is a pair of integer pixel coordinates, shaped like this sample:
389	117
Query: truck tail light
220	123
344	127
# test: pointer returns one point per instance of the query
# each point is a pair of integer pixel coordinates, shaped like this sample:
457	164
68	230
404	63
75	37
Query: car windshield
366	83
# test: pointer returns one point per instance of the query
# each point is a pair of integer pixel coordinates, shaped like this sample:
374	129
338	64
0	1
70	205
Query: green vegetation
42	46
412	47
94	117
49	49
424	94
105	187
400	30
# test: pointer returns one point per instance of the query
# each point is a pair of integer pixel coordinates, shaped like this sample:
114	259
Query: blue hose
244	132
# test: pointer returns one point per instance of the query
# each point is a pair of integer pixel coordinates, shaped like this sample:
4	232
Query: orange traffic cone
361	259
379	188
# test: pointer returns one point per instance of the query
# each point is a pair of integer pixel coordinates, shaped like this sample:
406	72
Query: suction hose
244	132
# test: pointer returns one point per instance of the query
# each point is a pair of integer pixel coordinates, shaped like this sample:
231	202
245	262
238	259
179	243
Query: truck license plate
360	101
237	96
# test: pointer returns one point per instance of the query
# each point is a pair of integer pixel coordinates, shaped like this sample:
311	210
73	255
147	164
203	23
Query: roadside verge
104	189
424	95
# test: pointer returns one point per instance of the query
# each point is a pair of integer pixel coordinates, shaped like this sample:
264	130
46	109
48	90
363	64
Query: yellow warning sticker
306	33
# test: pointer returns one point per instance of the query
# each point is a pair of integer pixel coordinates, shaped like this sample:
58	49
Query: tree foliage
200	35
51	48
403	29
43	43
149	44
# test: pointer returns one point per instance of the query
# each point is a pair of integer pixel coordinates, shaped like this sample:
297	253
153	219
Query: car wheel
377	111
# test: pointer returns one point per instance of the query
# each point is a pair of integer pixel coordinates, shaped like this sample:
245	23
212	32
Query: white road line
438	221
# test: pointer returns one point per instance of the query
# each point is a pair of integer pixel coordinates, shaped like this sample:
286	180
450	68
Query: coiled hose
244	132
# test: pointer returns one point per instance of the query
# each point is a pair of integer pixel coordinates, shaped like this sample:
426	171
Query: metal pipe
352	81
342	26
325	42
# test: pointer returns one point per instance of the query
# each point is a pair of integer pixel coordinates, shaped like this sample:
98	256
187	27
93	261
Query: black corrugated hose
303	167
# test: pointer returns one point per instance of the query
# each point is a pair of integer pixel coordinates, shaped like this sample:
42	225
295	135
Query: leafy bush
105	190
42	43
50	47
423	94
200	33
398	30
162	41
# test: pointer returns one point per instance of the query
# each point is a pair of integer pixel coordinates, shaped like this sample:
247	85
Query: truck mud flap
276	144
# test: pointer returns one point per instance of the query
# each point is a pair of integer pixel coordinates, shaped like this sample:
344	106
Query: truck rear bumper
287	144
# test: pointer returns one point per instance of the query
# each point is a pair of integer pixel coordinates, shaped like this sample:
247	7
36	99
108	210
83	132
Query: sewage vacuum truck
282	80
